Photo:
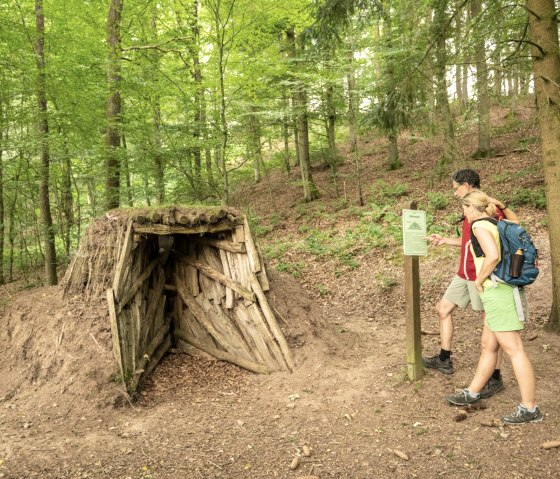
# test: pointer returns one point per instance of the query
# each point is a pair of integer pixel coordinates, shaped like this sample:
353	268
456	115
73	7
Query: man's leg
444	310
442	361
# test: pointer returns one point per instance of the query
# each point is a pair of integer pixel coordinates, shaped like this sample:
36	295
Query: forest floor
348	409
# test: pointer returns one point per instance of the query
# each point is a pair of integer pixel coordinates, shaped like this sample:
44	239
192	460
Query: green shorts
501	312
462	292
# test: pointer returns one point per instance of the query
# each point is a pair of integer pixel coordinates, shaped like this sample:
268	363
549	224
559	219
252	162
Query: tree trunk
546	67
353	103
286	130
458	41
43	128
310	191
126	171
198	102
2	219
157	150
483	150
450	148
112	164
330	130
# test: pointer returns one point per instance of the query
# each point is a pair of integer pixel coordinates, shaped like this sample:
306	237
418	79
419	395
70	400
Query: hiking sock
527	409
496	374
444	355
473	395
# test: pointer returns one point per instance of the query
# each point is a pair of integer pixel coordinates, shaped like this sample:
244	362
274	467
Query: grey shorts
462	292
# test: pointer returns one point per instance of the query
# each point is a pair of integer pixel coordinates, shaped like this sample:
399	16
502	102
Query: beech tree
545	51
43	130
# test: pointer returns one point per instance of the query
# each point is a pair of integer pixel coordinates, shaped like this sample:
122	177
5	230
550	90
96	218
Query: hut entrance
195	280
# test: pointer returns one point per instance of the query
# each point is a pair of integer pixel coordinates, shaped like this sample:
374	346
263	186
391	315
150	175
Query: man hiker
461	290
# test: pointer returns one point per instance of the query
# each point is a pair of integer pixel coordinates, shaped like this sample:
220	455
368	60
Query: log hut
172	275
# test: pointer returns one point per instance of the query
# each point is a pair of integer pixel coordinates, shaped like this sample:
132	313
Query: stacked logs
192	276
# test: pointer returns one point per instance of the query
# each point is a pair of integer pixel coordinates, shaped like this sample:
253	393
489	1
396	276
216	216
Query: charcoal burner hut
171	275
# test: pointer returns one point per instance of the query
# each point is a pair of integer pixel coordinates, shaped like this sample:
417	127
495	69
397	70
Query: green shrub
534	197
295	269
438	200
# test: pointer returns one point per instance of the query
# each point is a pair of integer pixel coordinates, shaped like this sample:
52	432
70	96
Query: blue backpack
519	265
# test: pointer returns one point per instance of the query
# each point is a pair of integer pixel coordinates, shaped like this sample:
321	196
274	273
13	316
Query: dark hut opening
177	275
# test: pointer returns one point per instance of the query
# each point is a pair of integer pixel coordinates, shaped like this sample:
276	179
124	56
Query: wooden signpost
414	232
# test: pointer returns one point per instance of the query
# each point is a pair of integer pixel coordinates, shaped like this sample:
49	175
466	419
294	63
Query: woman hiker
502	326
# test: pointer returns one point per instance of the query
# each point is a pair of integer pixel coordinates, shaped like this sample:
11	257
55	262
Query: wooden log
128	342
211	273
230	297
155	217
147	355
272	323
201	315
260	323
262	275
252	254
222	244
234	270
211	257
226	328
152	316
115	333
239	233
189	323
156	358
222	355
139	282
122	262
191	275
251	327
241	318
159	229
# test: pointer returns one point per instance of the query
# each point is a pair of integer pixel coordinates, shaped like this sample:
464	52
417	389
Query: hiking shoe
434	362
462	398
492	387
522	415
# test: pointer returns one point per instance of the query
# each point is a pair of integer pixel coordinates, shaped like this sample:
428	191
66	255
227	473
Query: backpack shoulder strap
474	240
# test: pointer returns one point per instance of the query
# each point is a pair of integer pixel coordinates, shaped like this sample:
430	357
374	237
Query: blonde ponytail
479	201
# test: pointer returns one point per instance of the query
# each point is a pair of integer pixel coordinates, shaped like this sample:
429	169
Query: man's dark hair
467	176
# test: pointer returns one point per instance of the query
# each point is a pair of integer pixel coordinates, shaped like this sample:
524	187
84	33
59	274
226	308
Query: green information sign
414	233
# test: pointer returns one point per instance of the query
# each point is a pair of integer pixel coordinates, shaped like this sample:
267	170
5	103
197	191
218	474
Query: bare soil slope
347	411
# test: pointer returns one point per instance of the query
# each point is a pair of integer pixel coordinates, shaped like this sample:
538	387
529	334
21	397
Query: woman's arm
491	255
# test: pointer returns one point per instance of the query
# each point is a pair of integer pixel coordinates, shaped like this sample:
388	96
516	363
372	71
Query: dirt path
348	401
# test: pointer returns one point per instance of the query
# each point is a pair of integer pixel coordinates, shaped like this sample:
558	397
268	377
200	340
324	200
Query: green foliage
391	113
530	140
509	176
386	282
276	250
534	197
322	289
257	228
295	269
438	200
380	189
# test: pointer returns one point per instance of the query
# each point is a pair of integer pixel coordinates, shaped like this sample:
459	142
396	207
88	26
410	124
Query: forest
126	103
316	122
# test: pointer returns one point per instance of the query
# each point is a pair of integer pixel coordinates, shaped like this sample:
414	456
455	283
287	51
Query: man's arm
508	213
438	240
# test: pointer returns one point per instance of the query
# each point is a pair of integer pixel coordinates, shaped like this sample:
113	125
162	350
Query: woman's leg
487	362
511	343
